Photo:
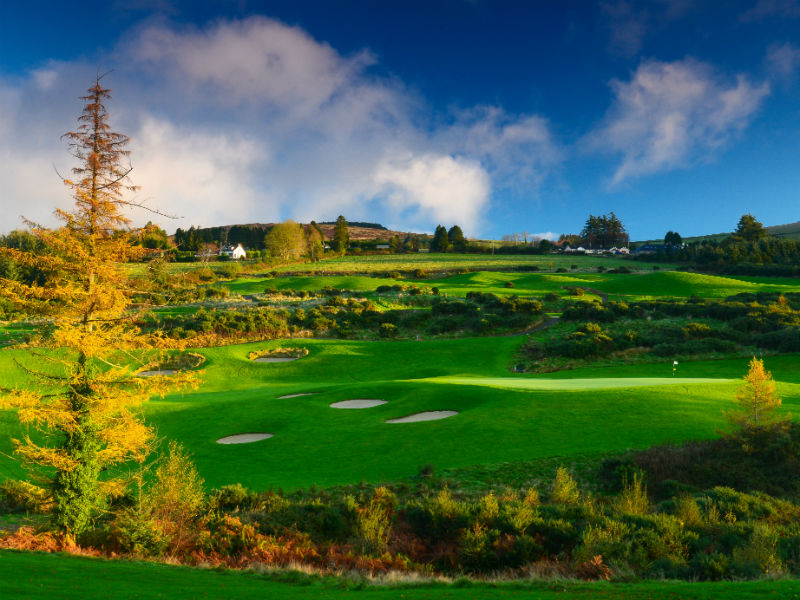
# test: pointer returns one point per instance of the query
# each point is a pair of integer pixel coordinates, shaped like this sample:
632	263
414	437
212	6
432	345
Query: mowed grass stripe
573	384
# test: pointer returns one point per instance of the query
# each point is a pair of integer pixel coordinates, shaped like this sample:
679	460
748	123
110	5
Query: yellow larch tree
82	396
757	398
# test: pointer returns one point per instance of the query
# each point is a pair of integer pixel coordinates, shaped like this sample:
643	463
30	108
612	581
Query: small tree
286	241
341	235
756	398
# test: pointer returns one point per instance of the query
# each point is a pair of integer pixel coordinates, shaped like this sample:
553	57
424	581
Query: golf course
321	411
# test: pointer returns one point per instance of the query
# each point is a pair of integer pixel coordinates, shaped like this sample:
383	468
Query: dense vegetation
744	323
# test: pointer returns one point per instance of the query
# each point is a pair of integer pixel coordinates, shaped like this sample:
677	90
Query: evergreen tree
341	235
749	229
440	242
456	238
83	396
673	238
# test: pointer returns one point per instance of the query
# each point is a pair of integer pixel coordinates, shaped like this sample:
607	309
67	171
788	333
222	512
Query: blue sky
500	116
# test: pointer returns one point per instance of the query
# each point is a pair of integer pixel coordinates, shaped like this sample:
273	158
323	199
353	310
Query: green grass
622	286
679	284
33	576
315	444
474	262
516	383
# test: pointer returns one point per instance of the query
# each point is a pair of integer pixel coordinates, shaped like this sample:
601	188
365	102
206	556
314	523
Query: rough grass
35	576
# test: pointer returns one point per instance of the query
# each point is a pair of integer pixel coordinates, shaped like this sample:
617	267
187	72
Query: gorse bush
709	534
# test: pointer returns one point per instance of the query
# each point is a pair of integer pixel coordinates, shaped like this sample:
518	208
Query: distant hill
252	235
789	231
358	224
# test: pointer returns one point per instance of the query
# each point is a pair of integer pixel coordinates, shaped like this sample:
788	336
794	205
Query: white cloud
254	120
783	61
673	115
434	188
255	61
205	176
545	235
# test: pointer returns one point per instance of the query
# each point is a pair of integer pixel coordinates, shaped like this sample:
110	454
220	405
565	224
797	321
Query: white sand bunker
357	403
431	415
287	396
275	359
156	373
244	438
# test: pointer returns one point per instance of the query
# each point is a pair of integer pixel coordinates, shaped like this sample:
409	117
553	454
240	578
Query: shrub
508	284
565	490
696	331
278	353
387	330
761	551
633	498
235	497
374	521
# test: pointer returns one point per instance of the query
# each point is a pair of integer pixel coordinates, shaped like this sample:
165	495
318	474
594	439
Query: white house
234	253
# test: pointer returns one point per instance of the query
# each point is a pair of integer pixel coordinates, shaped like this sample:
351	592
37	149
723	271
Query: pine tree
83	396
749	229
341	235
456	238
440	242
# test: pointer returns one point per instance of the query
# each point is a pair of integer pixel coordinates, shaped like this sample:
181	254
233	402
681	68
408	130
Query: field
449	262
503	417
661	284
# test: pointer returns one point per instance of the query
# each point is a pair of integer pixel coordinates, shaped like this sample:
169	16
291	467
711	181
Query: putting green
572	384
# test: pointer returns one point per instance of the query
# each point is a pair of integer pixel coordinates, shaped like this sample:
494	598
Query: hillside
790	231
252	234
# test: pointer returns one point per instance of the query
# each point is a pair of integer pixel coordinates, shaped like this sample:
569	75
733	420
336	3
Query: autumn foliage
82	395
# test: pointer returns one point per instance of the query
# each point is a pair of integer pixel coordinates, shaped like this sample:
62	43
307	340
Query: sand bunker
275	359
287	396
357	403
431	415
244	438
156	373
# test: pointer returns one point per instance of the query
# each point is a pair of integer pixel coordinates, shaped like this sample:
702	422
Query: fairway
572	384
500	417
